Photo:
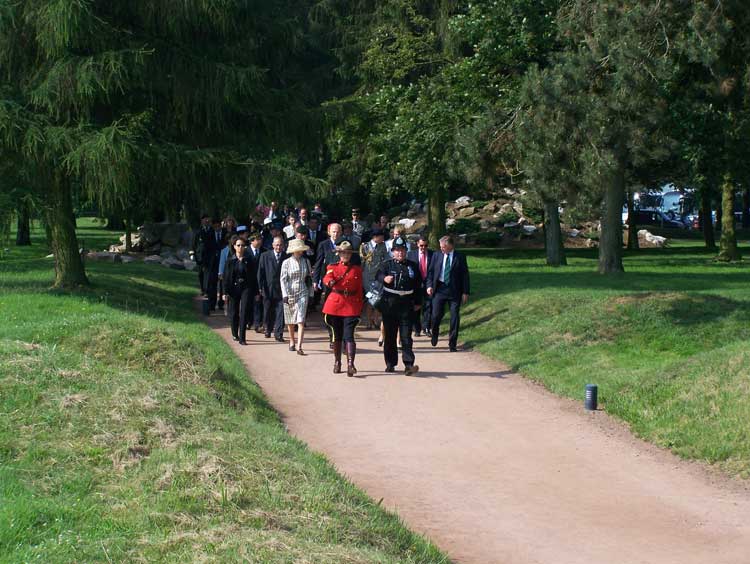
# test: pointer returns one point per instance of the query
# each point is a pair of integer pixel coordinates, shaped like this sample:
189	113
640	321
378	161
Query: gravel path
494	468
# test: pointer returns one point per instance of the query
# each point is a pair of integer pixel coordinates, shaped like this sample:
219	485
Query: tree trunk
707	222
632	224
128	240
610	240
69	270
436	215
728	250
553	241
23	233
746	208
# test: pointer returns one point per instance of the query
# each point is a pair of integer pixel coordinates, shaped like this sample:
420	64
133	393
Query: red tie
423	265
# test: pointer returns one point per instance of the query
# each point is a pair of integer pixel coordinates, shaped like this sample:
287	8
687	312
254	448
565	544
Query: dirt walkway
495	469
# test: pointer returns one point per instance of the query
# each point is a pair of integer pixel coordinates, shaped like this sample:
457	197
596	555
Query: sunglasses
240	245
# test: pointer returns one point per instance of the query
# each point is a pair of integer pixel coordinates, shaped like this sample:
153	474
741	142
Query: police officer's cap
377	231
399	243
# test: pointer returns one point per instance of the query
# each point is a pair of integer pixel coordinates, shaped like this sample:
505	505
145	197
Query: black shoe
330	346
268	335
433	340
280	339
235	337
390	368
243	342
417	333
292	348
453	349
411	370
258	330
380	342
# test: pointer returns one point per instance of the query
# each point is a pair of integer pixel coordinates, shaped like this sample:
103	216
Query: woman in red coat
343	305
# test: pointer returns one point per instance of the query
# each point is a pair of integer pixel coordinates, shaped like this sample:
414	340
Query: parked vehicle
658	218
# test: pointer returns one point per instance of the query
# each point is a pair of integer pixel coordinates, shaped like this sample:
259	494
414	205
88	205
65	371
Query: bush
507	217
487	239
465	225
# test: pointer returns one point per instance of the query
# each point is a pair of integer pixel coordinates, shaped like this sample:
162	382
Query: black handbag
375	295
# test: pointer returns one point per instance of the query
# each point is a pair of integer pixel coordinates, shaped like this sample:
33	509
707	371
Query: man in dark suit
422	256
269	282
447	283
199	250
212	255
254	252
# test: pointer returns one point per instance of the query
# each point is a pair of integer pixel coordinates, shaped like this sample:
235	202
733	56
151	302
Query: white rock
50	256
529	229
463	201
407	223
189	264
574	233
450	222
511	224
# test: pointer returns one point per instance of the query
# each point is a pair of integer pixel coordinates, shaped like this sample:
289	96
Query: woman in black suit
241	287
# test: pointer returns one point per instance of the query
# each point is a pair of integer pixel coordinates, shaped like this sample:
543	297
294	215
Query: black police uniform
240	283
399	299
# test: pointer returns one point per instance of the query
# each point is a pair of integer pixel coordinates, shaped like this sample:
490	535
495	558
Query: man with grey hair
269	283
447	283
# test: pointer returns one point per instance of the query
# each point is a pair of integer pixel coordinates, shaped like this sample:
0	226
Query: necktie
447	270
423	265
277	257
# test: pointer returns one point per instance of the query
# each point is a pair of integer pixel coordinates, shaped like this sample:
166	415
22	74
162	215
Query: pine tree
173	101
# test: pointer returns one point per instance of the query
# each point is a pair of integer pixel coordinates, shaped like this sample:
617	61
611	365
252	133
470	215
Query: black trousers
423	318
397	320
341	327
239	307
201	279
439	301
255	314
273	317
212	281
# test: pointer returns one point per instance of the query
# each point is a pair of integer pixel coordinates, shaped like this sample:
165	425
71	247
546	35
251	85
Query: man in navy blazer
269	284
422	256
447	283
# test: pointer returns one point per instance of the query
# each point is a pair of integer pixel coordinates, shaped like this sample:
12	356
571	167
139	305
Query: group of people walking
273	277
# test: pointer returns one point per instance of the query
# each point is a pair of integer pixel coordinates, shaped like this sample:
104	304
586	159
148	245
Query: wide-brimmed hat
344	245
297	245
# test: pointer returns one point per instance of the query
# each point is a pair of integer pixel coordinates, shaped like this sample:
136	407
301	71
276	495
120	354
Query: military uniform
398	307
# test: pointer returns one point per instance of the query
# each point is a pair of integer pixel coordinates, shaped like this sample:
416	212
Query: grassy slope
128	432
667	343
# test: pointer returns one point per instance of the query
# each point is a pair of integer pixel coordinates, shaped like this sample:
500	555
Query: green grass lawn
130	432
667	342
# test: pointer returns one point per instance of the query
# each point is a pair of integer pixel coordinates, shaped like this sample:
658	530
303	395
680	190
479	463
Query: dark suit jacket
212	249
414	257
269	275
232	277
459	282
326	254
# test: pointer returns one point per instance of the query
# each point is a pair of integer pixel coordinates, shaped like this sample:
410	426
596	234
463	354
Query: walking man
422	256
447	283
269	282
402	298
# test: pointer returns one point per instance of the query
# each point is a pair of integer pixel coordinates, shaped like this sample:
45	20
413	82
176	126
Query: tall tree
196	101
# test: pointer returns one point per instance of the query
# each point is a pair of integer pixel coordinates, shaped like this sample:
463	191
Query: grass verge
667	342
130	432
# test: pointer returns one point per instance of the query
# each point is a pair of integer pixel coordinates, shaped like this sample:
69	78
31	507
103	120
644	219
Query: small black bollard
592	397
206	310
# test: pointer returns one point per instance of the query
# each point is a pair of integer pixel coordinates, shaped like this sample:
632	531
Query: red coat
346	297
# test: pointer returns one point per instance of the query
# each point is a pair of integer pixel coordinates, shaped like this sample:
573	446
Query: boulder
182	253
153	259
407	223
529	229
463	201
172	234
655	240
450	222
189	264
173	262
574	233
491	207
518	207
592	244
511	225
125	259
467	212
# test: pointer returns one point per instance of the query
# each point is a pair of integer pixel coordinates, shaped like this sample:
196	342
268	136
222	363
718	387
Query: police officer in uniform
402	297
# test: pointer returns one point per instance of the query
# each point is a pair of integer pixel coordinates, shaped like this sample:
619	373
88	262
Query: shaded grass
130	432
666	342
